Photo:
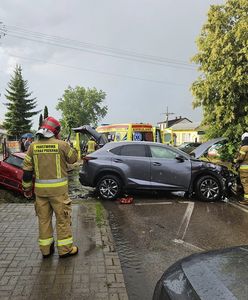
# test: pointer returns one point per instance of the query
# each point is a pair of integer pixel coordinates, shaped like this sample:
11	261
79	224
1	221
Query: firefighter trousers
61	206
244	180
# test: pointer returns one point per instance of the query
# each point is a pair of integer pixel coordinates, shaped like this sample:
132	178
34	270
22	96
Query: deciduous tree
80	106
222	87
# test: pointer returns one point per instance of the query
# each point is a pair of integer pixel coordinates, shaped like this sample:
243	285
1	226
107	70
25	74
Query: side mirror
192	154
180	158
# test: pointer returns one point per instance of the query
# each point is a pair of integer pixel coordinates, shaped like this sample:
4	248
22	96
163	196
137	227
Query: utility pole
167	113
2	30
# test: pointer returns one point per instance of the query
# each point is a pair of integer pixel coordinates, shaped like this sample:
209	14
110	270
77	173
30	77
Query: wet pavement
157	230
138	240
95	273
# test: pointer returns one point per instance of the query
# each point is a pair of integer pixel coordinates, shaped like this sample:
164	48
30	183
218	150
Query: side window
133	150
116	150
162	152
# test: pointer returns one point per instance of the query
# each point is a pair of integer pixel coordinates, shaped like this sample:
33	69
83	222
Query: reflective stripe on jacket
242	158
48	159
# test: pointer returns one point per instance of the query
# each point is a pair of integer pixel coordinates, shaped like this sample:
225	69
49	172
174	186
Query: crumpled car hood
199	151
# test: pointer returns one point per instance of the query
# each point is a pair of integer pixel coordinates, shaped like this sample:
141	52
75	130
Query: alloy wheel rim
209	189
108	188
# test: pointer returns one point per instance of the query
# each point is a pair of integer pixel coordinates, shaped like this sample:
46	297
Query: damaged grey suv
120	167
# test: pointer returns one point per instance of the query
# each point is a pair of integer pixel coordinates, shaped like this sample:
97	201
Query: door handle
156	164
117	160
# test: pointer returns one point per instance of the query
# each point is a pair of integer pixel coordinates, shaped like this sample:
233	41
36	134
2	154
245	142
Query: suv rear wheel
109	187
207	188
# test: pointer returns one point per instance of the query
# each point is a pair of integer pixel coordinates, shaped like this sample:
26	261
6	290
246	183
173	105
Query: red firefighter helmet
49	127
51	124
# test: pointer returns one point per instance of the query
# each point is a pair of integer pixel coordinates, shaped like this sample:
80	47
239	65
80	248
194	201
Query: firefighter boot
51	251
73	251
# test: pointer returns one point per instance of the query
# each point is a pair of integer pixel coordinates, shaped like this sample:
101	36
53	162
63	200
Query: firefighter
242	161
91	146
46	160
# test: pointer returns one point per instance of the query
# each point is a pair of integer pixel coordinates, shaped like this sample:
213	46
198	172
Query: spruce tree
45	112
40	120
20	107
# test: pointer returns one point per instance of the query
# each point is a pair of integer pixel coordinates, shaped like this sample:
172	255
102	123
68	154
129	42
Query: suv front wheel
207	188
109	187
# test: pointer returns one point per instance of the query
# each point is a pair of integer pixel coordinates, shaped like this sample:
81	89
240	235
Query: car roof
112	145
122	143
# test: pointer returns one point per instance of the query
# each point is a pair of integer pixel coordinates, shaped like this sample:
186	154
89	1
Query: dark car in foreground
218	274
125	166
11	172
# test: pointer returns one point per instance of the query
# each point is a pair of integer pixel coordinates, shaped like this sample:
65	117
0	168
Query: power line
94	46
22	33
95	71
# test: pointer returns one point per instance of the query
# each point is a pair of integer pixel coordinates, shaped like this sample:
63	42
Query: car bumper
83	179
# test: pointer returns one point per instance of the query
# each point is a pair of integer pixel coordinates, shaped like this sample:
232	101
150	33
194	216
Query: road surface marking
239	207
159	203
153	203
244	249
186	220
188	245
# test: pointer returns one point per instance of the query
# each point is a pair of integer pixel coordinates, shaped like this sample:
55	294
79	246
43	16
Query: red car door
11	173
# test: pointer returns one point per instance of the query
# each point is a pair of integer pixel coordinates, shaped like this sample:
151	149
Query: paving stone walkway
95	273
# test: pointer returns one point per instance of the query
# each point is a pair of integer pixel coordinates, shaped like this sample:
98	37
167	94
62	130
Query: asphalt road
156	230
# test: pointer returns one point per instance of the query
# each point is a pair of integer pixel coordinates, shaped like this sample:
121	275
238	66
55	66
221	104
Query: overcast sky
137	51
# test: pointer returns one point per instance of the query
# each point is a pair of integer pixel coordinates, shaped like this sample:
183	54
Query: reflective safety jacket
242	158
91	146
47	159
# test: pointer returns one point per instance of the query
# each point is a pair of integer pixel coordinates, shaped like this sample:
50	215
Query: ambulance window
148	136
118	136
167	137
124	138
111	136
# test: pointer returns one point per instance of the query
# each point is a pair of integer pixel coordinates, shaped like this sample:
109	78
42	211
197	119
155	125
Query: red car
11	172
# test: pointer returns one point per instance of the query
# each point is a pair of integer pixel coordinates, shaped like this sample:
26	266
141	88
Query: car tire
109	187
208	188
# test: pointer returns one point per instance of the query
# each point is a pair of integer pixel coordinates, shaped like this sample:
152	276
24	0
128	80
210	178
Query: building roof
176	121
188	126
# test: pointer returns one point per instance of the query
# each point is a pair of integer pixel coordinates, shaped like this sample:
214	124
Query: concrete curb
114	275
